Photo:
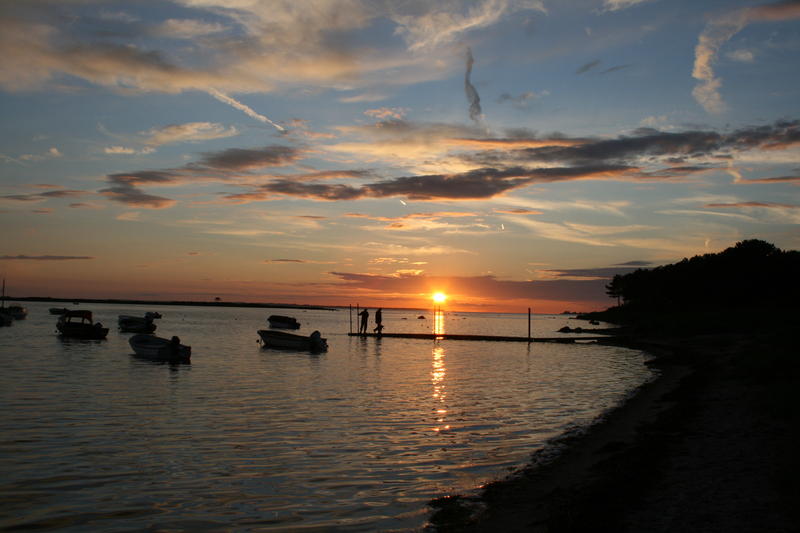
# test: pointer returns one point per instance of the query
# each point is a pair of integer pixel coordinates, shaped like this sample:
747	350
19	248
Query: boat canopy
87	315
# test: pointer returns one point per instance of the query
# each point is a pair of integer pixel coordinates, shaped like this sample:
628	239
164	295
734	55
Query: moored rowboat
160	349
281	339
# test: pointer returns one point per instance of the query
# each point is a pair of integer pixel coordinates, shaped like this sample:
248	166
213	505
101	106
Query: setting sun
439	297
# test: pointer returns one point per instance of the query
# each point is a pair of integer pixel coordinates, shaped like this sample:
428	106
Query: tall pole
529	324
351	318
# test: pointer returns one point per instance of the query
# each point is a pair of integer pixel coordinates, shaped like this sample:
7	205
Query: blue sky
511	153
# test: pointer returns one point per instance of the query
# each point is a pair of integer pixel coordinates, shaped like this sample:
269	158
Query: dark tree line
753	273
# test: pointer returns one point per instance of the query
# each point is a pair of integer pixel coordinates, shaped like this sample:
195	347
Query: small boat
6	316
284	322
281	339
58	310
78	324
160	349
136	324
17	312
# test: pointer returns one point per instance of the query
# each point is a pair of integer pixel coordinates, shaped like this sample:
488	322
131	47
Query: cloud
242	159
474	100
616	5
385	113
719	31
299	261
522	101
222	166
188	132
742	56
482	183
767	205
133	196
228	48
114	150
131	216
777	179
653	146
186	28
44	257
445	23
41	196
518	211
587	67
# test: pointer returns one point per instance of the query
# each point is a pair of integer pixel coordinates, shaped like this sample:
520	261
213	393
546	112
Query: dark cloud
769	205
635	264
40	196
216	166
130	195
472	185
591	273
243	159
473	98
588	66
653	144
614	69
777	179
44	257
520	102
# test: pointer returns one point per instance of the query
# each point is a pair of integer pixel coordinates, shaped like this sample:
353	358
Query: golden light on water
438	322
439	393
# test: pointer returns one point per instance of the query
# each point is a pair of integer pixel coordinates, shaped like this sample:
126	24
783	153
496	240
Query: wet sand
707	446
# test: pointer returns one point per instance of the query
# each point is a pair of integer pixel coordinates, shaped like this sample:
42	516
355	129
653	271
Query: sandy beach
706	446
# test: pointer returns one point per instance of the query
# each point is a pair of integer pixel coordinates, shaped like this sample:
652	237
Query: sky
509	153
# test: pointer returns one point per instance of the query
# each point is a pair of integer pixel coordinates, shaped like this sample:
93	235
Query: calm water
247	439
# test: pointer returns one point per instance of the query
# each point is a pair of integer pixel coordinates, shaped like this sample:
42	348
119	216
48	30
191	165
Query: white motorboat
283	340
160	349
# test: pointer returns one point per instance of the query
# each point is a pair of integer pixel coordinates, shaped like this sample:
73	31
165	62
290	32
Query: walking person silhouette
364	321
378	321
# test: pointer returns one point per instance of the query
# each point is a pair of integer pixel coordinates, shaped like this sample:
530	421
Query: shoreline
113	301
700	447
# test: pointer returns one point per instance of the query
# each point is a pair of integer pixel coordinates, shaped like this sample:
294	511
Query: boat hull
82	331
283	322
136	324
159	349
290	341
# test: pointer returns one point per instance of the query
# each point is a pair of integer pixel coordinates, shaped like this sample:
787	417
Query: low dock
495	338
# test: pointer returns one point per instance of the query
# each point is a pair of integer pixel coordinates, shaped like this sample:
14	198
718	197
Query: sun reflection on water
439	390
438	322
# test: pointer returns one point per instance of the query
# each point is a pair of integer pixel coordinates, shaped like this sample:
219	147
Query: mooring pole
351	318
529	324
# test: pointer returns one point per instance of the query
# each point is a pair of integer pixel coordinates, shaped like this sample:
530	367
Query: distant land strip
164	302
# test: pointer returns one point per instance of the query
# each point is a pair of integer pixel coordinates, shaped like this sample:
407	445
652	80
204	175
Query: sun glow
439	297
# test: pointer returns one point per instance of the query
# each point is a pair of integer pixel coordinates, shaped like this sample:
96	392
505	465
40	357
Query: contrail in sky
240	106
474	100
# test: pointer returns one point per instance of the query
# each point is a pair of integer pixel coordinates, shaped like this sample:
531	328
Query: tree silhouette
751	273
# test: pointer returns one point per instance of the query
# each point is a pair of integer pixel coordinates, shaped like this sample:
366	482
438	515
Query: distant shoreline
170	302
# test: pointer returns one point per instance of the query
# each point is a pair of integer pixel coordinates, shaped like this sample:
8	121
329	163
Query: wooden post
351	318
358	319
529	324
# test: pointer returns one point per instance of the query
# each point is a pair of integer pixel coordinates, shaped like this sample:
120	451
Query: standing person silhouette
364	320
378	320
